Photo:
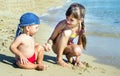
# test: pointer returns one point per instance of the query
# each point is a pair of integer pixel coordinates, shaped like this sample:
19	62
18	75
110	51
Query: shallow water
104	49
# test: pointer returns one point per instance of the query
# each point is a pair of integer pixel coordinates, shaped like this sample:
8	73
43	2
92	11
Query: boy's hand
23	60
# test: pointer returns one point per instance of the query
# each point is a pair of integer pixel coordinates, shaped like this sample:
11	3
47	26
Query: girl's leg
69	53
60	45
73	50
78	62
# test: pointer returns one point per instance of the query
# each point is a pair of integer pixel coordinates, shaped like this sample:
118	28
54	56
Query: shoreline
103	49
7	32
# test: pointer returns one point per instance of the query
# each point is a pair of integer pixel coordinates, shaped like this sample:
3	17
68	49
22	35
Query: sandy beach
10	11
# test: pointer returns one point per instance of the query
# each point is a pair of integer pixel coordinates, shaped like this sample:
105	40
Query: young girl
29	55
64	33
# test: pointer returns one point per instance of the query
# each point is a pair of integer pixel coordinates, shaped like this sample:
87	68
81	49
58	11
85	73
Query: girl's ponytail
83	35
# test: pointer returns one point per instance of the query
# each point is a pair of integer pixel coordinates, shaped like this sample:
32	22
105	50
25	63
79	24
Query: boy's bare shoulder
21	37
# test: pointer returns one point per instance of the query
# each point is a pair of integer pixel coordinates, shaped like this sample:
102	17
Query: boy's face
33	29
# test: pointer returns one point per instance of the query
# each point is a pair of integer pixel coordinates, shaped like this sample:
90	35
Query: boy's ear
27	28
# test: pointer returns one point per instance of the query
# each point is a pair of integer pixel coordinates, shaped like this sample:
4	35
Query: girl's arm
57	30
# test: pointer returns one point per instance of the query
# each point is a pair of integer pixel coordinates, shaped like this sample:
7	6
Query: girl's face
33	29
71	21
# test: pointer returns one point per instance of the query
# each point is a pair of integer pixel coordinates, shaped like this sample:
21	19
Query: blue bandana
27	19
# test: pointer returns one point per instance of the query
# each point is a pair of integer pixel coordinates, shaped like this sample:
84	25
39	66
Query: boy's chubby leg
39	50
39	54
30	65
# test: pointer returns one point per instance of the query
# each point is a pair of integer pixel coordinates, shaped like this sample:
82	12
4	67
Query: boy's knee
38	48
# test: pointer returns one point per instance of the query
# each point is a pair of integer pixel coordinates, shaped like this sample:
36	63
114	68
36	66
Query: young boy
29	55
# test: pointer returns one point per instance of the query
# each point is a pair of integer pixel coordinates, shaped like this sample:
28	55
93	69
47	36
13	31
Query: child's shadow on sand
11	60
50	59
8	60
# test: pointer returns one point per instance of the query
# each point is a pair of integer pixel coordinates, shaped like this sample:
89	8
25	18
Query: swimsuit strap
73	35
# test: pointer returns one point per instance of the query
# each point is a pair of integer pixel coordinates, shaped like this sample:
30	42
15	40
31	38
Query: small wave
114	35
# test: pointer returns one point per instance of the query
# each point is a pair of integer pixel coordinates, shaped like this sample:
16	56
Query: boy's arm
14	46
14	49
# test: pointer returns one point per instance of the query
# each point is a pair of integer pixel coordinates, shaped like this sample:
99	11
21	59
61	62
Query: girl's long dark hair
83	36
78	11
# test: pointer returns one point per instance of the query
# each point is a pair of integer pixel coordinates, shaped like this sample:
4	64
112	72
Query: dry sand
10	11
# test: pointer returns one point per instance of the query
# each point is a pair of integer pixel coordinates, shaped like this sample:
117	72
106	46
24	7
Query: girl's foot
62	63
70	59
80	64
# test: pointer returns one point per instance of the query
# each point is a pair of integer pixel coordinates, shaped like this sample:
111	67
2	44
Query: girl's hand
50	42
47	47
